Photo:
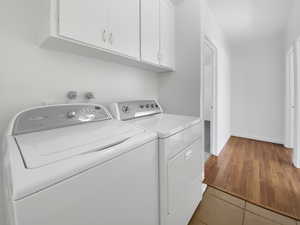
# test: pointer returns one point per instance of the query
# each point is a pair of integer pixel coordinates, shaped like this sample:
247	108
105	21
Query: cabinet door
167	29
124	23
150	31
84	20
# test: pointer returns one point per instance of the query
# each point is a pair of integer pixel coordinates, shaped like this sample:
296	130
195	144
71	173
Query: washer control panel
135	109
55	116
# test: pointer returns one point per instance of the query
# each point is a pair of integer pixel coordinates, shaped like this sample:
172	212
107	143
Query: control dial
125	108
71	114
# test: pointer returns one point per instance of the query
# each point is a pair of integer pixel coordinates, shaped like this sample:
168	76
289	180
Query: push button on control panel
136	109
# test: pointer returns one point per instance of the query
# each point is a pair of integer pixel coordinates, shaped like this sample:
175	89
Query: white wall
257	85
293	28
30	75
213	31
180	90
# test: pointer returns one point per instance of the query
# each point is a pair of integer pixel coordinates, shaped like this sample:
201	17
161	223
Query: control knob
125	109
71	115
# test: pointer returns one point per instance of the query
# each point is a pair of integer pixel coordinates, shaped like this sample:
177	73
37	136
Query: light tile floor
219	208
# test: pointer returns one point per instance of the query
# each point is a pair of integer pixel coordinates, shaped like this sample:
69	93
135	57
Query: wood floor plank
259	172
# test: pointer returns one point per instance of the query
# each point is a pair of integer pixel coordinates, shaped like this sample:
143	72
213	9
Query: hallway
258	172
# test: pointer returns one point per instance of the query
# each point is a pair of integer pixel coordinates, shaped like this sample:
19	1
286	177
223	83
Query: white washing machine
75	165
180	157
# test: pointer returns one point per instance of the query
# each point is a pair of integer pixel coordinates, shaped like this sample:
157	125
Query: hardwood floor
258	172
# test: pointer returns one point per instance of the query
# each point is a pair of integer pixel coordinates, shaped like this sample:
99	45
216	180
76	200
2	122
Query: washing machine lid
49	134
45	147
166	125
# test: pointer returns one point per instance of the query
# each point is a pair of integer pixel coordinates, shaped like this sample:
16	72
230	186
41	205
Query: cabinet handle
111	38
104	35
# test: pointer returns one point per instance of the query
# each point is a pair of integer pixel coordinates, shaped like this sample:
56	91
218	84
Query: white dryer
181	157
75	165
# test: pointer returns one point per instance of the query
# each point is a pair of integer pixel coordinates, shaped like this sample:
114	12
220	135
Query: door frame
289	116
206	41
296	150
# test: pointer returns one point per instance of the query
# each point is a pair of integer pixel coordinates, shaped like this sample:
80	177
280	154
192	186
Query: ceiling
241	19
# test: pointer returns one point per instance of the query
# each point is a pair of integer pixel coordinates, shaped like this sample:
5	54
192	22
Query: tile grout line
254	203
246	210
266	218
230	203
215	196
203	222
244	215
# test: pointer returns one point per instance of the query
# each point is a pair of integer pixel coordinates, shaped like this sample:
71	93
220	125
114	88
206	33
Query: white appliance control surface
135	109
165	124
55	116
149	115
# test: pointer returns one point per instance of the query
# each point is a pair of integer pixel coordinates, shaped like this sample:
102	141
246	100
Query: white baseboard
297	166
287	146
203	188
259	138
296	163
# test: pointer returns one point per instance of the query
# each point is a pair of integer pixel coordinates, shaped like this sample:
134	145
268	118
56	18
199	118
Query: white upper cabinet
157	33
133	32
110	24
124	23
167	32
84	21
150	31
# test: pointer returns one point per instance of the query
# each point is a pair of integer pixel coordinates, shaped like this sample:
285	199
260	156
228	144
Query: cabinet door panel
167	29
124	17
84	20
150	31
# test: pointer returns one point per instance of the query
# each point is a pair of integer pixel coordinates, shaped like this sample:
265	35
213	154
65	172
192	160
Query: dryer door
184	184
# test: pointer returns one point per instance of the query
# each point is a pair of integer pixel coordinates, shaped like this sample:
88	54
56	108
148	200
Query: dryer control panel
56	116
135	109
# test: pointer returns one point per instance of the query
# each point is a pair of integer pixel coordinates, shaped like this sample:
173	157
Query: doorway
209	79
290	98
